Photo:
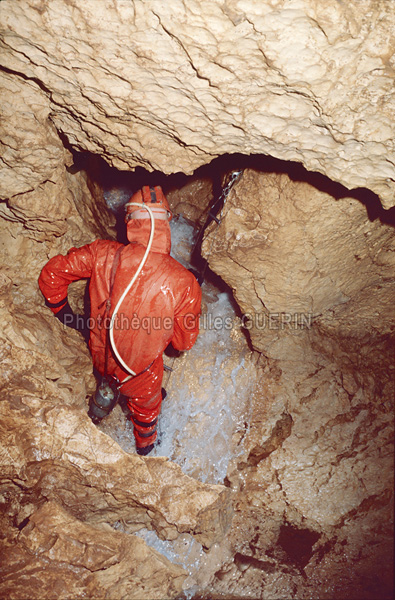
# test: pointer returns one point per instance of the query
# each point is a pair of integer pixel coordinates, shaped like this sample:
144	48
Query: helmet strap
149	195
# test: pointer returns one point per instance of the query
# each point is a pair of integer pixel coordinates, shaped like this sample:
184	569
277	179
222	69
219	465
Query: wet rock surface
55	554
170	86
315	488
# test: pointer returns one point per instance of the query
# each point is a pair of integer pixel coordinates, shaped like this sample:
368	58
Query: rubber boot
145	451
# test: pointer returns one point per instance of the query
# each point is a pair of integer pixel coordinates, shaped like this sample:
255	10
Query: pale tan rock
170	86
31	149
50	443
289	253
319	447
192	200
58	554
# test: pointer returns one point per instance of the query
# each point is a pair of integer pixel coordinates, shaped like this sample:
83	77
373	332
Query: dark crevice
243	561
23	523
297	544
35	80
220	167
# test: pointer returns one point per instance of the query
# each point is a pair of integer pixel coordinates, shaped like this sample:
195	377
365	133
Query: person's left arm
187	313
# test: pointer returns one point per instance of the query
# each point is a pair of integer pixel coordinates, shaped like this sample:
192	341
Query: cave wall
56	554
169	86
313	276
303	252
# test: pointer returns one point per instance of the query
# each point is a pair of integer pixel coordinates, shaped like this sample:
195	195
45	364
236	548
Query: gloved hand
171	352
69	318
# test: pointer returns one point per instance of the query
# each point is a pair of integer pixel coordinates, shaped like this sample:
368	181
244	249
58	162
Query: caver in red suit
162	306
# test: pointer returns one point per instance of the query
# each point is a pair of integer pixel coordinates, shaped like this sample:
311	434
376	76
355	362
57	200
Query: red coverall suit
163	306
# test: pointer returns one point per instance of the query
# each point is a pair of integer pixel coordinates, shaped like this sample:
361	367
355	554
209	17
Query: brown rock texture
318	477
57	555
303	252
192	199
169	86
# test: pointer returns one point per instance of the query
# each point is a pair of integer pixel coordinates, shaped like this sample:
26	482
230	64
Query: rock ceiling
171	85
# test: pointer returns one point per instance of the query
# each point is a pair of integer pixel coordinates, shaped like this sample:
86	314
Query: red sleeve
61	270
187	313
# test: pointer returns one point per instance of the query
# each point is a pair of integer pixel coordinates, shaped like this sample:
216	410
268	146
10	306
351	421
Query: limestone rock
192	200
314	495
53	450
31	149
319	457
57	554
288	251
169	86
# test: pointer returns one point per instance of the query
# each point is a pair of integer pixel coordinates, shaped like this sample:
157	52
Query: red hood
138	231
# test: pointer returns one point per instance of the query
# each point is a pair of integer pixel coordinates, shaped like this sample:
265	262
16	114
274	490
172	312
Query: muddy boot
145	451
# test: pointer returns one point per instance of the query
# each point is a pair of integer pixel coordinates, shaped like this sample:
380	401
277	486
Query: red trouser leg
144	402
145	419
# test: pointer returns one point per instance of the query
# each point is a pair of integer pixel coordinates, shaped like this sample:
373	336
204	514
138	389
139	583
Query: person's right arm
57	275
